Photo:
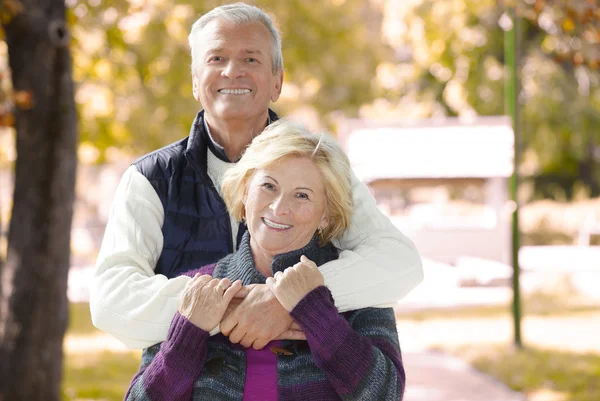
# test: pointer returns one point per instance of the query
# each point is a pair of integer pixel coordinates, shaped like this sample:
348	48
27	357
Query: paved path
435	376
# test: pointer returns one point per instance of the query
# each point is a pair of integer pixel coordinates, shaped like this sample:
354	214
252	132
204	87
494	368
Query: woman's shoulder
208	269
371	317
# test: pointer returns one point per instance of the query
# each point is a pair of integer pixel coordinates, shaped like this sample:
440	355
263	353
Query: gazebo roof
450	149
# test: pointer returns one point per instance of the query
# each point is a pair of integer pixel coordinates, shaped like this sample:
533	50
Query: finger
307	261
259	343
278	276
271	283
229	323
295	326
243	292
231	306
212	283
246	341
292	335
236	335
231	291
224	284
197	283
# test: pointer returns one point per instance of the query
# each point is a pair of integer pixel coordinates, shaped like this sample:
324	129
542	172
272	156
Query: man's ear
195	87
277	88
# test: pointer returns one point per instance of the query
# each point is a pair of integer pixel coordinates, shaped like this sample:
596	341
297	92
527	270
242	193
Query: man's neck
235	136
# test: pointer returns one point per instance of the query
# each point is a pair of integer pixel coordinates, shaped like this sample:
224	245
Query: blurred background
415	92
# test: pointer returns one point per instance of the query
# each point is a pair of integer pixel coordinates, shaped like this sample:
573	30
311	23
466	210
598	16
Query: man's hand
205	300
295	282
258	318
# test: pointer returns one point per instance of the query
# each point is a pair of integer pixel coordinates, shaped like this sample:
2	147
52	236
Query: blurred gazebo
444	184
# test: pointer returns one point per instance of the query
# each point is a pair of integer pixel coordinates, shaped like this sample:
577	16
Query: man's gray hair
239	14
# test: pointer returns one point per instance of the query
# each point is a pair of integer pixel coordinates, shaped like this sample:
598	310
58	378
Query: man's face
233	77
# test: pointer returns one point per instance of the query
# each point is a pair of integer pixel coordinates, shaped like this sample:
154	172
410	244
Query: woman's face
285	204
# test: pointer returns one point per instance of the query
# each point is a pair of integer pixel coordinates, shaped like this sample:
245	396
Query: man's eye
216	58
251	60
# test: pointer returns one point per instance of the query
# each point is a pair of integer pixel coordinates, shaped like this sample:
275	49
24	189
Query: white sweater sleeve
378	264
127	299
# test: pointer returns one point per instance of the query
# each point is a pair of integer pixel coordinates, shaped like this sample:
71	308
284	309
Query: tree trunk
33	298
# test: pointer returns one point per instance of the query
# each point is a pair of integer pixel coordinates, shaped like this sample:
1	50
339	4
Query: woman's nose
279	206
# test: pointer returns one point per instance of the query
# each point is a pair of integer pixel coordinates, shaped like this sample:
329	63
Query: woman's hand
205	300
295	282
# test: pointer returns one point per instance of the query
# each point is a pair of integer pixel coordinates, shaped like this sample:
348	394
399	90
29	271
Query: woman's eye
268	185
301	195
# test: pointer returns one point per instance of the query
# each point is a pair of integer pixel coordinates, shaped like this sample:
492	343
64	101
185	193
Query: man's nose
233	69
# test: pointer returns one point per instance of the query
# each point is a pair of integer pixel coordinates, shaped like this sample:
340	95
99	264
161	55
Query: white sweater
378	265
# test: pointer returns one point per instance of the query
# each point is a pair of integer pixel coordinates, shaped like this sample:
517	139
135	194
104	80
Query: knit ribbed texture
173	371
353	356
345	356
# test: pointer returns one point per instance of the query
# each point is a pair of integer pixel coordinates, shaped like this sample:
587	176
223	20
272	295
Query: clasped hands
251	315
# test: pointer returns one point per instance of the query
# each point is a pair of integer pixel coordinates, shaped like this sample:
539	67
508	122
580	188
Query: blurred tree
132	62
33	290
452	61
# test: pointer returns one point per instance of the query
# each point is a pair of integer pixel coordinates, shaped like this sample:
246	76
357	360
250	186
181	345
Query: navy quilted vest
196	229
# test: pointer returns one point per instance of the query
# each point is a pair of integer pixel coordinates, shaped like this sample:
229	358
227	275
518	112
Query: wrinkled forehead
226	35
292	168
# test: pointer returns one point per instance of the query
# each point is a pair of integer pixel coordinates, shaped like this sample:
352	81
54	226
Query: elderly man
168	216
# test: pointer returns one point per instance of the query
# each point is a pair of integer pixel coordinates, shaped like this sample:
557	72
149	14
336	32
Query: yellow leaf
568	25
7	120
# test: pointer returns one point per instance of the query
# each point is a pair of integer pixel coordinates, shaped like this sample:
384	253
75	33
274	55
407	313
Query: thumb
306	261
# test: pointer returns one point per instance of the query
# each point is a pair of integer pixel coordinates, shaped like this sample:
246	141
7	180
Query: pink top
261	374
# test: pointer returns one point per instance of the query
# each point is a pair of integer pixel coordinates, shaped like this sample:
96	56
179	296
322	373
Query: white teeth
234	91
275	225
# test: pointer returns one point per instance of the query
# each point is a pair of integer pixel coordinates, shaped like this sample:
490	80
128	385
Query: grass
95	375
80	322
101	376
567	376
535	304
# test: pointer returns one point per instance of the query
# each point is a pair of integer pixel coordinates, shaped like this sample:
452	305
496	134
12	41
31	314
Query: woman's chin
281	245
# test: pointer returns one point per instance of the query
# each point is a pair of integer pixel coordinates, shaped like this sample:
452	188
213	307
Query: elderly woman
292	189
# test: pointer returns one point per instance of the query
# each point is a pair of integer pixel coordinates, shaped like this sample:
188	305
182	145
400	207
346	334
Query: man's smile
234	91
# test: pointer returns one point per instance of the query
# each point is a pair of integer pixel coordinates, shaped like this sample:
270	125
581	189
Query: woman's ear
245	196
324	221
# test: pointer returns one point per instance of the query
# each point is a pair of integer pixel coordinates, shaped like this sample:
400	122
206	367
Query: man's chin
235	113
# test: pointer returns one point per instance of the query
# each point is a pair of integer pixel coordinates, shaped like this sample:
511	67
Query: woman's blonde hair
285	138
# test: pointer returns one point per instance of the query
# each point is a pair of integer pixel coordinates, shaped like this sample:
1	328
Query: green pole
511	31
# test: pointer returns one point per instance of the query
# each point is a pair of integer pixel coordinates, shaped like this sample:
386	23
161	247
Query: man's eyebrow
252	51
215	49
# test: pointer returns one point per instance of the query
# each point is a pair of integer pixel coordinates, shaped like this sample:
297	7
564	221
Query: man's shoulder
159	163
